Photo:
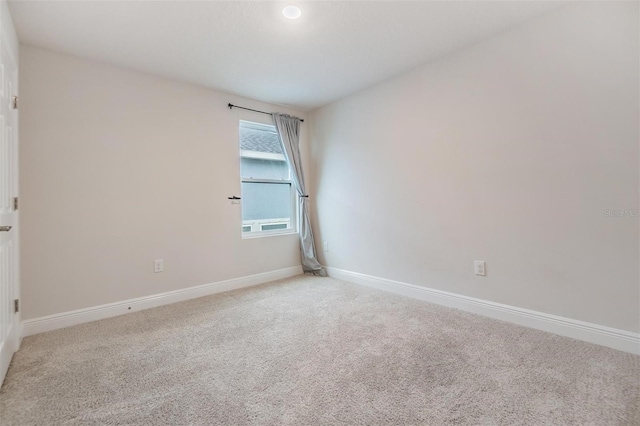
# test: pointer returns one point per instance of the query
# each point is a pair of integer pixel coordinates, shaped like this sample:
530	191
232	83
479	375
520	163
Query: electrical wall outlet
479	267
158	265
326	246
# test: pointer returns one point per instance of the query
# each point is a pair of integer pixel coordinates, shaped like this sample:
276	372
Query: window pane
274	226
259	138
266	206
264	203
263	169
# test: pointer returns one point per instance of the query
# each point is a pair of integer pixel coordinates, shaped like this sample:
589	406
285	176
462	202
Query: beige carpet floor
315	351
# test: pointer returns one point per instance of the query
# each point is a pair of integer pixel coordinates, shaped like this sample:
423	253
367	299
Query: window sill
263	234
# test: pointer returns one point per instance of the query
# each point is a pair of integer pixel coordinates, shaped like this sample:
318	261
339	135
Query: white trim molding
593	333
80	316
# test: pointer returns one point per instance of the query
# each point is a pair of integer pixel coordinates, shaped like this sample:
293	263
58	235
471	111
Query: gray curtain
288	128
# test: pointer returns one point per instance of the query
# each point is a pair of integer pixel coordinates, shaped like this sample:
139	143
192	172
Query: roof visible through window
259	138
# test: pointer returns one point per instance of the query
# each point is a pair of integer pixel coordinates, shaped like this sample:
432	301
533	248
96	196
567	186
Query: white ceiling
248	48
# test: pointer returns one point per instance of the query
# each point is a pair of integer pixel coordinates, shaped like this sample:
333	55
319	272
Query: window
268	195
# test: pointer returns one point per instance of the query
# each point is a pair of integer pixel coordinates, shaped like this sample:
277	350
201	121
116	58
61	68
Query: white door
9	289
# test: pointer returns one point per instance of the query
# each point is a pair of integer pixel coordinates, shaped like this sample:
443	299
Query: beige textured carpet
313	351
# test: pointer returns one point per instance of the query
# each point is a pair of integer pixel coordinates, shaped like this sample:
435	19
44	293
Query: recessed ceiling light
292	12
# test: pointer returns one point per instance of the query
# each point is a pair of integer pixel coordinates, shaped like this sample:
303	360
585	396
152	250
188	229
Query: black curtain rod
254	110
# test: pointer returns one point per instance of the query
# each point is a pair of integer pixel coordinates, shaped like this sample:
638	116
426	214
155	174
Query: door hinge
15	203
16	306
14	102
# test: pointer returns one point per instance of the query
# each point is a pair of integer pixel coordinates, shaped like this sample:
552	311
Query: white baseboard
80	316
592	333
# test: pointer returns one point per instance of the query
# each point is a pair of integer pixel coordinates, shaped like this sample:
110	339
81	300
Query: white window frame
256	226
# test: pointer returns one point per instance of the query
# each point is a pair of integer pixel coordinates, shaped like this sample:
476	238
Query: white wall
8	29
509	151
119	168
